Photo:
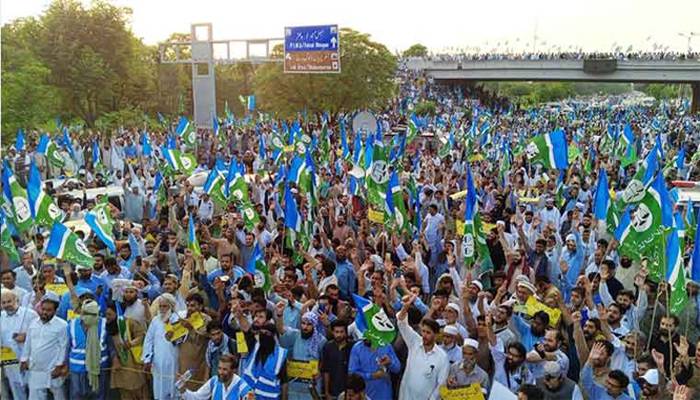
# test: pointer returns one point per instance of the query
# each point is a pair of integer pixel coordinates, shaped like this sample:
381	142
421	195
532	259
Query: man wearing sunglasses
556	385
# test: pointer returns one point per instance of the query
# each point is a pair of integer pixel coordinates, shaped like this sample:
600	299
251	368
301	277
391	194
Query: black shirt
334	361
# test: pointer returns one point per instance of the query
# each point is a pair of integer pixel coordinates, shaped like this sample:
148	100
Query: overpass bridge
591	70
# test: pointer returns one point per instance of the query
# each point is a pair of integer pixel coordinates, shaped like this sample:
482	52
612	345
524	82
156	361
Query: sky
441	25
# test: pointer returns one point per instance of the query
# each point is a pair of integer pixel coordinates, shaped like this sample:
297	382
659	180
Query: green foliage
232	81
416	50
533	93
661	91
126	118
366	81
426	107
83	63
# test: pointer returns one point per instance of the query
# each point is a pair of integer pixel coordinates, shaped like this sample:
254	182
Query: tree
416	50
28	99
366	81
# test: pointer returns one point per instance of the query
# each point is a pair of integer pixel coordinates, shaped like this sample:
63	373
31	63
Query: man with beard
225	275
556	385
550	215
160	355
586	335
88	355
660	341
44	354
613	315
427	367
548	350
219	344
304	344
345	273
264	367
610	287
193	348
375	367
501	327
509	363
466	372
533	332
15	321
571	262
133	308
615	382
650	385
631	313
335	357
451	344
125	375
599	363
225	385
113	270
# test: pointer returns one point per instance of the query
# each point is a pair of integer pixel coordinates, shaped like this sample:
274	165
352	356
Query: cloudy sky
439	24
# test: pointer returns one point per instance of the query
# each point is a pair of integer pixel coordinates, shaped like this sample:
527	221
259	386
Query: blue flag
215	125
695	260
96	154
19	140
344	140
292	218
68	143
601	202
680	159
146	144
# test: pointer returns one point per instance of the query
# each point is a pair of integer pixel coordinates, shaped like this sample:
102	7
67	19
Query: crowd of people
289	279
568	55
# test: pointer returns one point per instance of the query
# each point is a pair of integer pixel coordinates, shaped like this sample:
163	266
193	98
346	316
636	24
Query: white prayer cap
450	330
471	343
651	376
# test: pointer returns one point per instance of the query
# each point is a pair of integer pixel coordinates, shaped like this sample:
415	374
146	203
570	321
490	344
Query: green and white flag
373	323
7	245
179	161
396	208
250	216
549	149
258	268
44	211
101	222
412	129
16	195
50	150
377	176
214	187
67	246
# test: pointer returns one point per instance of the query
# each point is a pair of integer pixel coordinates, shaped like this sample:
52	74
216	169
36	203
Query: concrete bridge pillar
695	100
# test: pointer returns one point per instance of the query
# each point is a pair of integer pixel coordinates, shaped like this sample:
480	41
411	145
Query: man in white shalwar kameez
44	354
15	321
160	355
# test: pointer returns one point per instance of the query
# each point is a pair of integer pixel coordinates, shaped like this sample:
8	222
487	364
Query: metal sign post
203	62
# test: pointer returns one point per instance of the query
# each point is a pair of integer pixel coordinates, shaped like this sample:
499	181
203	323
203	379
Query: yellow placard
59	288
289	148
302	369
532	306
196	320
177	329
375	216
471	392
7	356
459	227
528	200
486	227
137	352
458	195
241	344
